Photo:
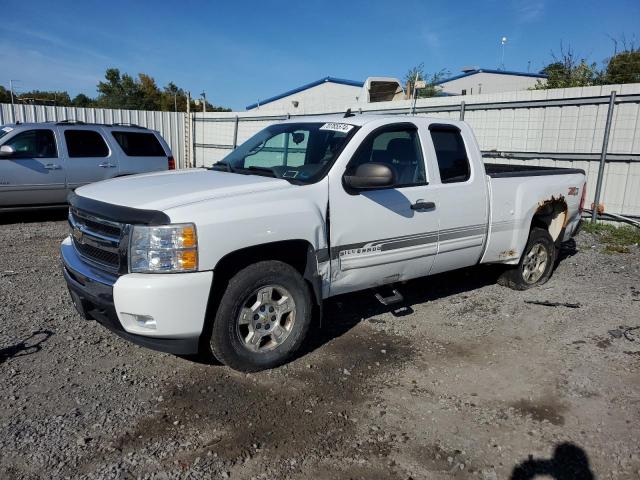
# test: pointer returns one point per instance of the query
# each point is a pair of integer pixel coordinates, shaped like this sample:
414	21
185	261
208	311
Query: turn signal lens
188	259
187	237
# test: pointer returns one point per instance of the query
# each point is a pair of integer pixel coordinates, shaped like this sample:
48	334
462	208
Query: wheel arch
552	215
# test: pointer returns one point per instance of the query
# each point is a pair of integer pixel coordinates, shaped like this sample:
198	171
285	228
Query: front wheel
263	317
536	264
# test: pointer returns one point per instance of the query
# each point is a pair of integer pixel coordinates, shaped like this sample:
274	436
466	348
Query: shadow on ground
45	214
569	462
343	312
30	345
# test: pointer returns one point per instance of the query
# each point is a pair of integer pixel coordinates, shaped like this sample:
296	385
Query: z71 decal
573	191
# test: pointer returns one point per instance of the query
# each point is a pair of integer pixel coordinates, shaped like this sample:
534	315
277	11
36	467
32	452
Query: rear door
460	191
89	157
141	152
381	236
34	174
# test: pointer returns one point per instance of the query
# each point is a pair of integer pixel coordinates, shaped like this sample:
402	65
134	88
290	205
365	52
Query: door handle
52	166
422	205
106	165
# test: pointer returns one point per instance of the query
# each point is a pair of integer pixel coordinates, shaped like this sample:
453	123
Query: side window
138	144
34	144
85	143
399	148
451	154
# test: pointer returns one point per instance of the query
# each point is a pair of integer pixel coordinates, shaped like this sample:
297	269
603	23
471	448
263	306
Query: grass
616	239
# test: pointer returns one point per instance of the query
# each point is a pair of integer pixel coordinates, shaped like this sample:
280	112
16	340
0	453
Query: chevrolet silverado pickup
236	260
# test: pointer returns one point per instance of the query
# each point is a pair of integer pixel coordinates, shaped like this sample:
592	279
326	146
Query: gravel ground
468	381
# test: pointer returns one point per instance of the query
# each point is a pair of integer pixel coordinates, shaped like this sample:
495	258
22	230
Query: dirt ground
468	380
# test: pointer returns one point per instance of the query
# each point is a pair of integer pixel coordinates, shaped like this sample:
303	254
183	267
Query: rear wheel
536	264
263	317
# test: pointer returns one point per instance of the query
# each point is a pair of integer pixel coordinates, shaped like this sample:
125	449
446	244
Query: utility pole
204	102
13	108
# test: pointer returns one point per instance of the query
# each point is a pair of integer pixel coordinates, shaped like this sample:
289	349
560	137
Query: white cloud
528	10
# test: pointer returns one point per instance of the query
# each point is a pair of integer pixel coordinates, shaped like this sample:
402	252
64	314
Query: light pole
503	41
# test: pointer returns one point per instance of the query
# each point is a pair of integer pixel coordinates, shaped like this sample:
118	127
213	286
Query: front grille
99	255
97	240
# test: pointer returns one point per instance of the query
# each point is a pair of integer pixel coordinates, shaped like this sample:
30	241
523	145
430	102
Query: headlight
167	248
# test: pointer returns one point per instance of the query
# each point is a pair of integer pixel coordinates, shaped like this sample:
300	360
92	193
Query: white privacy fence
171	125
563	128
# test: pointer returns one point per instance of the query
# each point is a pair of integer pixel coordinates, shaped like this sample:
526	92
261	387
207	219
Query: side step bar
396	297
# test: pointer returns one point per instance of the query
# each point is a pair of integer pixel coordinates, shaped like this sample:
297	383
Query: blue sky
242	51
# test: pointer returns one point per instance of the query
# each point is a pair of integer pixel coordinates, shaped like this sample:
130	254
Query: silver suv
40	163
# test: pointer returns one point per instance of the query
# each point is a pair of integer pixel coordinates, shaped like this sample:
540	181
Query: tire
530	272
263	317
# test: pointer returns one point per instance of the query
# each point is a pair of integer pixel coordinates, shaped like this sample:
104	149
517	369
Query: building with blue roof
474	80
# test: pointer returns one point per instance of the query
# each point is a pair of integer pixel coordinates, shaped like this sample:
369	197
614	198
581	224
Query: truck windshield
298	152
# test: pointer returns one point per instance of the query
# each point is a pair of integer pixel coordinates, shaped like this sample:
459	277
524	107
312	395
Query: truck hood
165	190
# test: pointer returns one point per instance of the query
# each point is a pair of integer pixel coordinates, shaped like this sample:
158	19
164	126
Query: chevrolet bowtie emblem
78	235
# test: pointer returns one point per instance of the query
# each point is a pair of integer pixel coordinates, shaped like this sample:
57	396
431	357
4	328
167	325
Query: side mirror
371	175
6	151
297	137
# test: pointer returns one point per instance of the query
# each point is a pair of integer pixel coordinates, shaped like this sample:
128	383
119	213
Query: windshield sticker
7	129
290	174
337	127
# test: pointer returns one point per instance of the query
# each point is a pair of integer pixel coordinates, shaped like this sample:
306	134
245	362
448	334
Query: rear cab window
85	143
139	144
451	153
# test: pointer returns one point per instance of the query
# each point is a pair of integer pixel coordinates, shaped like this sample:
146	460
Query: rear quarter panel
515	200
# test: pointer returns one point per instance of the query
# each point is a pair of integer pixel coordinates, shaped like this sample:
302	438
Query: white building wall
327	96
484	82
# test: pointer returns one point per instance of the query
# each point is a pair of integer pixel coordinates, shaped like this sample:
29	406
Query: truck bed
503	170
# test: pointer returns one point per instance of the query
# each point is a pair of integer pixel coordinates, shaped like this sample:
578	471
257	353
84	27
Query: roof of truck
362	119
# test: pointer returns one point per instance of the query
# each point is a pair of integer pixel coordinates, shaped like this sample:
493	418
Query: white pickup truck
237	259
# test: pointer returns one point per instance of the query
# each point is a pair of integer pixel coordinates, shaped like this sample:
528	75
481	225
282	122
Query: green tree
82	100
432	80
567	70
623	67
5	95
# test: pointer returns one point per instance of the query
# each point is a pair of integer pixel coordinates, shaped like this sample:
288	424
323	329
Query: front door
34	173
383	236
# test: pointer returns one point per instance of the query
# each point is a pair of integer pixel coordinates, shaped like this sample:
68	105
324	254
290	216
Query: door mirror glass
371	175
6	150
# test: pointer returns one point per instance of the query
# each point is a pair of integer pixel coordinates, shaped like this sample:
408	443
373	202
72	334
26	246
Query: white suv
40	163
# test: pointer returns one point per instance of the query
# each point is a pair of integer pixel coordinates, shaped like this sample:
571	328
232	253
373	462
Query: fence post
193	139
235	133
603	157
462	105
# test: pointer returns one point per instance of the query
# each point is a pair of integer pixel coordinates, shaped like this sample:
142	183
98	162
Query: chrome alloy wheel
266	318
535	263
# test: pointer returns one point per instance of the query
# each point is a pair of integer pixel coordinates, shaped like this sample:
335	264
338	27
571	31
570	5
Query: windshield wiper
261	169
226	165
